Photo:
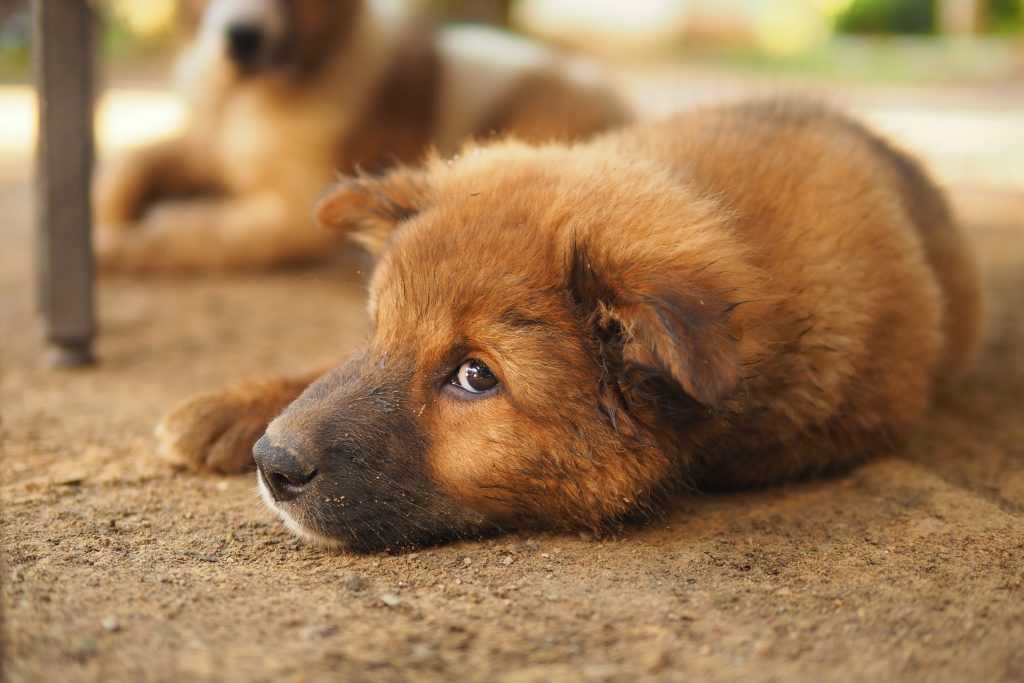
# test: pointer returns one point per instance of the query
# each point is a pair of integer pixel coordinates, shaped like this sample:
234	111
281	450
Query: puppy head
545	350
256	37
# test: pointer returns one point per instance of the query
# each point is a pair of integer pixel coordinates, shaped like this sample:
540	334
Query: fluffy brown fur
331	86
729	298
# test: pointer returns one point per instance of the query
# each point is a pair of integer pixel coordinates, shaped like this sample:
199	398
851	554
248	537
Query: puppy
283	94
563	336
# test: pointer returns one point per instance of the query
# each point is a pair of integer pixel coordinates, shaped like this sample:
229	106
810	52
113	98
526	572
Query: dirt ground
119	568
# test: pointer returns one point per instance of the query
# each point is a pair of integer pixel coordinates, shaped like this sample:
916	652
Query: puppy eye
475	377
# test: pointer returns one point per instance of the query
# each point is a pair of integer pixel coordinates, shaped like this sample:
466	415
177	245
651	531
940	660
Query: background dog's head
254	37
544	345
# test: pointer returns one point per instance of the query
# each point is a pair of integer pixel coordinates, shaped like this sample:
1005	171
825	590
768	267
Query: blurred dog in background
284	94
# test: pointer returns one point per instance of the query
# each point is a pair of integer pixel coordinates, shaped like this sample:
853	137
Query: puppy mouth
293	513
336	522
290	522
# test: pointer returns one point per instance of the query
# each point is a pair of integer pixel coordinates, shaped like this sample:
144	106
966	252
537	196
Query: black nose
244	43
284	475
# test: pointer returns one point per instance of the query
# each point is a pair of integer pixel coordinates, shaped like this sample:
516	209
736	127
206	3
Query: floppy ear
189	14
658	332
368	209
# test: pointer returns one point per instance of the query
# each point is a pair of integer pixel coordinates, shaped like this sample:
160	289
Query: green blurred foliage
1005	16
921	17
15	28
888	16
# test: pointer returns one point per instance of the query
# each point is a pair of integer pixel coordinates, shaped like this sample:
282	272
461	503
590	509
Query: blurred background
872	38
946	76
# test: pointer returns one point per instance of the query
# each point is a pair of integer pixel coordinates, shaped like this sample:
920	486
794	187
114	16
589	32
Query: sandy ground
119	568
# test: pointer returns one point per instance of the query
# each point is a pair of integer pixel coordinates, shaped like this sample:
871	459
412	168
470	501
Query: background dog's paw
120	191
175	236
108	242
212	432
157	243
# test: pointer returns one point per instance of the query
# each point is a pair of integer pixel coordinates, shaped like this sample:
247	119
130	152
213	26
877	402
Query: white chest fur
264	142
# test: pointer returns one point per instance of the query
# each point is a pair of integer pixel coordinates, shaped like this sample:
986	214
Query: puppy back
948	253
877	293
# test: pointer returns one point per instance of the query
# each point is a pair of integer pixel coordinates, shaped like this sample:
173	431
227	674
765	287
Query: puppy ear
660	332
189	14
368	209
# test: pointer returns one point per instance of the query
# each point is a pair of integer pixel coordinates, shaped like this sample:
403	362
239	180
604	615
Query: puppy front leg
126	186
216	431
217	234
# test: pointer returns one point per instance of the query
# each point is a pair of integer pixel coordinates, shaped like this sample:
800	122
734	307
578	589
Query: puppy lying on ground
565	335
283	94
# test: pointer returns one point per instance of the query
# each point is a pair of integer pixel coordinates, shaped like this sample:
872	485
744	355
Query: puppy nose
244	42
282	472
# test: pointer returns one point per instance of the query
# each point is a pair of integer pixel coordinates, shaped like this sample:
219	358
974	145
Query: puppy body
336	86
732	297
852	291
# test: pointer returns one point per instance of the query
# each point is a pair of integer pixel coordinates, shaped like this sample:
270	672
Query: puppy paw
129	250
170	238
108	242
213	432
121	190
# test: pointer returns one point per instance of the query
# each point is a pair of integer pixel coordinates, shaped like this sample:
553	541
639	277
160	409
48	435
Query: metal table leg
63	58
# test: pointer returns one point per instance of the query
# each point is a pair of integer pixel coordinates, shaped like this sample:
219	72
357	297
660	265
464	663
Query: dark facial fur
370	488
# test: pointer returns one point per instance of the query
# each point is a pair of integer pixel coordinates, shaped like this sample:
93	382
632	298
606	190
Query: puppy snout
284	474
245	41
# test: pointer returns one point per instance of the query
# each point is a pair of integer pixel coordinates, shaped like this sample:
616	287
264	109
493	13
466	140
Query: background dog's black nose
244	43
283	473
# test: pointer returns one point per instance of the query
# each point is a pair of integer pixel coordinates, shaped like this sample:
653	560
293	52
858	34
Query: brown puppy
283	94
564	335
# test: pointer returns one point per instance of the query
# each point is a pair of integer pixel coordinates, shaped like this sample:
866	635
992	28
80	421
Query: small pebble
654	661
422	651
318	631
354	582
110	624
507	560
390	599
599	672
86	649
